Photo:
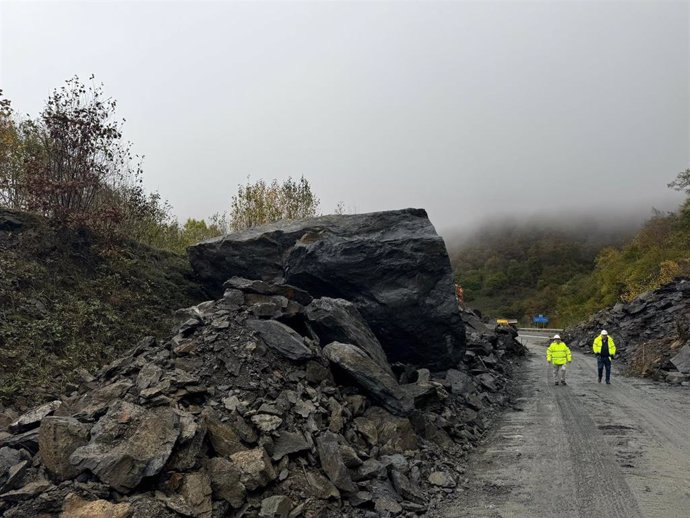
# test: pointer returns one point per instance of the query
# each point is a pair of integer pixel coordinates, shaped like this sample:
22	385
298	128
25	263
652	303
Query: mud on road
582	450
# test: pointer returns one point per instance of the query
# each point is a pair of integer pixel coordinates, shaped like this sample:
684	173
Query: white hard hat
603	332
556	337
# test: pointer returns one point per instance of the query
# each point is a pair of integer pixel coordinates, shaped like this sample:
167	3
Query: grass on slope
71	300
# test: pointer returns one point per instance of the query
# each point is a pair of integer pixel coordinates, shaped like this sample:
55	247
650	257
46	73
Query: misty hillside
564	270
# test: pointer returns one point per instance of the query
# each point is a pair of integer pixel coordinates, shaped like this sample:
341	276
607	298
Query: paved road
583	450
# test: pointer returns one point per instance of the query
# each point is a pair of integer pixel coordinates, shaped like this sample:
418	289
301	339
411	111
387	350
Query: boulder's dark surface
392	266
651	332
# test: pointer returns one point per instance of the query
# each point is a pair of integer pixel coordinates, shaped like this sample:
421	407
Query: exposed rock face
657	322
391	265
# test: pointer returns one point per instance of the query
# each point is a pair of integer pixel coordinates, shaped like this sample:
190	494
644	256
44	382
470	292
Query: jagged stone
196	491
337	320
287	443
441	479
406	489
255	468
332	462
33	418
321	487
76	507
276	506
266	288
58	437
225	481
281	339
224	437
389	433
128	444
391	265
380	385
682	360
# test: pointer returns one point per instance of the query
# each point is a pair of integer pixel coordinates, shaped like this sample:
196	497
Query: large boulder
392	266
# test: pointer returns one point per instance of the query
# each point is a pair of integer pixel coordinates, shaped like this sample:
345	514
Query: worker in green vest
558	354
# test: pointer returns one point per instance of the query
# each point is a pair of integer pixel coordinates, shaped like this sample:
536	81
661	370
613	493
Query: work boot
599	380
608	382
563	382
556	383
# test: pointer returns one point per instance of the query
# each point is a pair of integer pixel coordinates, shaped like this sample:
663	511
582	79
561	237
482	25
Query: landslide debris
217	421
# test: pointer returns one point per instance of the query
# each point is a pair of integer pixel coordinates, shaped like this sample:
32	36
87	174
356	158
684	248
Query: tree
682	182
259	203
11	157
80	171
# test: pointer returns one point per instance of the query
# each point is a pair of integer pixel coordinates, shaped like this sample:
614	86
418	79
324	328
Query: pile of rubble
266	402
652	332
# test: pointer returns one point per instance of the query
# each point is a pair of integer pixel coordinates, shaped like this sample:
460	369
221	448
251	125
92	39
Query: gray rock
337	320
33	418
320	487
406	489
224	437
441	479
277	506
389	433
255	468
268	288
392	265
461	383
127	444
332	462
682	360
58	437
378	383
149	376
281	339
287	443
196	491
225	482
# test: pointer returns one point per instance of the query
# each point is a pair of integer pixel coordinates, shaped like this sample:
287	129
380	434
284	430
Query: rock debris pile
652	332
266	402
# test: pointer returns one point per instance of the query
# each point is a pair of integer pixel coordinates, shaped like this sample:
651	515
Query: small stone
277	506
441	479
76	507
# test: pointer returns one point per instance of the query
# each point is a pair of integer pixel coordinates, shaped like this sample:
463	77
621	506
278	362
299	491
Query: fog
471	110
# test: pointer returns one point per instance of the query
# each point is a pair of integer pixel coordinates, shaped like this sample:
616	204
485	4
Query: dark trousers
601	363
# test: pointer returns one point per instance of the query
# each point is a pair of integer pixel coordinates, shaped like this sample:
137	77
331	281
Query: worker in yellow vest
605	350
558	354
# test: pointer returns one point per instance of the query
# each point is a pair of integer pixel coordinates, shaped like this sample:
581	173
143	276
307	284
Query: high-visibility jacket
558	353
596	346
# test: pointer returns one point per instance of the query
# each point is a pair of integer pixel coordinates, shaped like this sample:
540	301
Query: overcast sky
467	109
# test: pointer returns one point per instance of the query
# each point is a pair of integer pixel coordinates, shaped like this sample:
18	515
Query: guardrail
539	330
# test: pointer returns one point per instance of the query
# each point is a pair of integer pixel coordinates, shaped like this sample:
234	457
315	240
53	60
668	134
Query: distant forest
518	270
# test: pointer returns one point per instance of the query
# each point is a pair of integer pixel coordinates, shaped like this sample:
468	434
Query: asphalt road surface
584	450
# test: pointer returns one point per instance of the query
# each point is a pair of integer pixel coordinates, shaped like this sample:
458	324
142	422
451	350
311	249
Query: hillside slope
70	300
